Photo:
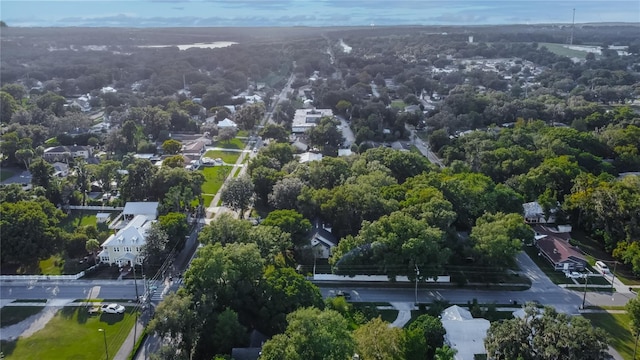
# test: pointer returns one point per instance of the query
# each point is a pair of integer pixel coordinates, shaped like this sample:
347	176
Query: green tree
552	335
284	292
226	134
176	320
225	229
285	192
633	309
138	183
275	132
289	221
499	237
174	224
92	246
171	146
311	334
29	231
326	136
248	116
376	340
25	156
8	106
445	353
41	172
176	161
238	194
432	331
155	249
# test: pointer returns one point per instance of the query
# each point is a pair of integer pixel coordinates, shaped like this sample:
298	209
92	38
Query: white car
112	309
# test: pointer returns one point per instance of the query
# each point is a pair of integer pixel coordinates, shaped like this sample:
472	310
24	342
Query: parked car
602	267
112	309
345	294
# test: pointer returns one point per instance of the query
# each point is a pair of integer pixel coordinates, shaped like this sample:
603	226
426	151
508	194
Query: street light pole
584	297
106	350
417	275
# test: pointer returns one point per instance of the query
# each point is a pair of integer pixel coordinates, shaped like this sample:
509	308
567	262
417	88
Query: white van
602	267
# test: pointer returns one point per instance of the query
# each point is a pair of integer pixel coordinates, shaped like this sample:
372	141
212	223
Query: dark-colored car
345	294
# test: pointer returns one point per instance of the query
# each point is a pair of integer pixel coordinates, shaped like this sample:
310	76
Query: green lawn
229	157
213	179
595	250
6	173
234	143
560	49
242	133
52	266
10	315
78	218
617	326
73	334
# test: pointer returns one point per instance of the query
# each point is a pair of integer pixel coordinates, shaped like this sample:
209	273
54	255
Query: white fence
46	277
95	208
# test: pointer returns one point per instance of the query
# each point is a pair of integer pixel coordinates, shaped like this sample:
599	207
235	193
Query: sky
247	13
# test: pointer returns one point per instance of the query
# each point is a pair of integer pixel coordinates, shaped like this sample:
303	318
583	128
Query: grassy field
6	173
234	143
560	49
52	265
73	334
10	315
229	157
78	218
214	178
398	104
617	326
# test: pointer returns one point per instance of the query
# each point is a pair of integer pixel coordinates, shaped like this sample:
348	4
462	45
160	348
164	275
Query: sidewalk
127	346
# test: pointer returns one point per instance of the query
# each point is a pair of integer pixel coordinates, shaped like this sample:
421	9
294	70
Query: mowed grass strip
214	178
229	157
234	143
617	326
10	315
73	334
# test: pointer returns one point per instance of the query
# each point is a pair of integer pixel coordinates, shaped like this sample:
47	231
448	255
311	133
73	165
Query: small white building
58	153
227	123
308	157
464	333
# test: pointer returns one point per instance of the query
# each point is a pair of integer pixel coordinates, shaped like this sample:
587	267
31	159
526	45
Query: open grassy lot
560	49
214	178
6	173
10	315
78	218
73	334
234	143
617	326
229	157
398	104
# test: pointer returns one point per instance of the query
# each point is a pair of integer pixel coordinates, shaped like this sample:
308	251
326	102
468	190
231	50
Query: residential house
227	123
464	333
124	248
553	244
59	153
305	119
193	150
60	169
534	214
322	241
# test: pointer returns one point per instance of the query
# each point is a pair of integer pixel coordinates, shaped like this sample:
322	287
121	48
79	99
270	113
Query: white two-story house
125	246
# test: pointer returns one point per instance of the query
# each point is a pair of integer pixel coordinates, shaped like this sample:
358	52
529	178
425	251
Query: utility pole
584	297
417	275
